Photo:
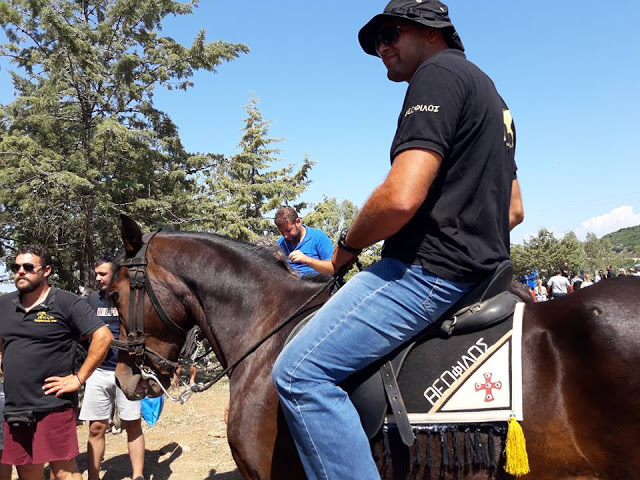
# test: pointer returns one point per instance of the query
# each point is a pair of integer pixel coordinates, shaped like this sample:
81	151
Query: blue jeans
376	311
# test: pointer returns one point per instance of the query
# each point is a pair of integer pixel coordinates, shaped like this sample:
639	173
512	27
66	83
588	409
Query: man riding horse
444	211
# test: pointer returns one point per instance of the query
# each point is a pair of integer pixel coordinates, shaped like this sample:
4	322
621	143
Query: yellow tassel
517	462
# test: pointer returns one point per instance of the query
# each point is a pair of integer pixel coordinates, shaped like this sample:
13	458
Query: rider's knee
279	375
286	373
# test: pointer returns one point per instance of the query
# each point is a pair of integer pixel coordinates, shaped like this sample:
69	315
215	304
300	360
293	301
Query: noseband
139	284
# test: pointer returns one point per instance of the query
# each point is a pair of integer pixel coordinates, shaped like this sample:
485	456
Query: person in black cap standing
444	212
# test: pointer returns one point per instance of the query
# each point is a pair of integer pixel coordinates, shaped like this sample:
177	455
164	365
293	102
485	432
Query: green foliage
241	190
625	240
82	141
595	251
545	253
572	251
542	253
330	217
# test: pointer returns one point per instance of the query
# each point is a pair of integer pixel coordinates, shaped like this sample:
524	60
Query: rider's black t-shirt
461	231
39	344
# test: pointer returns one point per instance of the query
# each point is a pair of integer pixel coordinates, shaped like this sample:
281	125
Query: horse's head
153	320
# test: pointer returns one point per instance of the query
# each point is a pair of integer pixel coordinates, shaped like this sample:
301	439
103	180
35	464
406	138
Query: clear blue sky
569	71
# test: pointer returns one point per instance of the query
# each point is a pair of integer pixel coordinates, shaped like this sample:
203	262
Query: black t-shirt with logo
461	231
39	344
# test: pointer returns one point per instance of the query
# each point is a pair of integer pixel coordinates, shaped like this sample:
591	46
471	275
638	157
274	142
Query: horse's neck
247	311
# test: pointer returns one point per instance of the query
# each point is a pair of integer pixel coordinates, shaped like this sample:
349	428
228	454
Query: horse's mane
266	250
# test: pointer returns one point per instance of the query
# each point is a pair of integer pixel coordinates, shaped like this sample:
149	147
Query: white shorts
100	393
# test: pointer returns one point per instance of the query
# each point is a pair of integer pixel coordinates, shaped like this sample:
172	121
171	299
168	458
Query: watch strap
343	244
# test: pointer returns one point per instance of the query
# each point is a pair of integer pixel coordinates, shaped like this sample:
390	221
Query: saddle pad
476	377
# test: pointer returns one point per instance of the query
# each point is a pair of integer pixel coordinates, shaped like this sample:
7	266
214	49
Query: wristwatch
343	244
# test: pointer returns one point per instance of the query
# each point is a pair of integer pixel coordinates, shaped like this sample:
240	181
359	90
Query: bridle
135	346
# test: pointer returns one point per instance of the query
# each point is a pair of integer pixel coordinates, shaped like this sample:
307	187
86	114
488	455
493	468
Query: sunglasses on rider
387	36
28	267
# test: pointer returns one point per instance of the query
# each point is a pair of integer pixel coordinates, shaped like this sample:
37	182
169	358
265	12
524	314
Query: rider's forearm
395	202
516	209
378	219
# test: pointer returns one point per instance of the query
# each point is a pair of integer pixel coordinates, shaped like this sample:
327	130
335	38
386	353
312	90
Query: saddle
374	390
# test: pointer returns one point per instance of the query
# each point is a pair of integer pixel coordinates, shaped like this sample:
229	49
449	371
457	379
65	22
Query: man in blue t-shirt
307	249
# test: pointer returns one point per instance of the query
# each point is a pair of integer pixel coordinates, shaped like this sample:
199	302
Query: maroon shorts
53	438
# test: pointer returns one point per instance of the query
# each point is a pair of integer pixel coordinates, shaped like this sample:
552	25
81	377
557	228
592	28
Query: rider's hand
342	259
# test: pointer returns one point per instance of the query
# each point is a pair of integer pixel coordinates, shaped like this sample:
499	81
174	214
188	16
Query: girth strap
397	403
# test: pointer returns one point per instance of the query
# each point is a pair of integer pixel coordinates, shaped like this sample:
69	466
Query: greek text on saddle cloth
433	393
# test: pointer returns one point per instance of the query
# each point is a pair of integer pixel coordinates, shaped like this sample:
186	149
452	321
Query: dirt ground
187	443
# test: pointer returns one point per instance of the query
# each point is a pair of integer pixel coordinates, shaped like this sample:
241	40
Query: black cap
431	13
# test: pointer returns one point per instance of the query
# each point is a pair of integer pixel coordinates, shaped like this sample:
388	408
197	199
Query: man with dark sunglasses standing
40	326
444	211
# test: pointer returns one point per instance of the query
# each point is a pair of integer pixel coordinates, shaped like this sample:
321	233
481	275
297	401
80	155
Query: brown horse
580	355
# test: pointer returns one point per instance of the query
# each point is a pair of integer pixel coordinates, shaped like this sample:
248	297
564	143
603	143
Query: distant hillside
625	239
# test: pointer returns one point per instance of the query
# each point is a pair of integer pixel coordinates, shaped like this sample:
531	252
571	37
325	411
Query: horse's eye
115	296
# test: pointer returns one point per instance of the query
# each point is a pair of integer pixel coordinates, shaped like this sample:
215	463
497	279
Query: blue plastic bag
151	408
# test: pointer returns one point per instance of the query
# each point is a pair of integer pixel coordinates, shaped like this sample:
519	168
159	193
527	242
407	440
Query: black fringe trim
415	451
386	454
469	457
462	447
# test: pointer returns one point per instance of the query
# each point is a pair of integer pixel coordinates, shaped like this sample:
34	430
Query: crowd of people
444	211
41	327
562	283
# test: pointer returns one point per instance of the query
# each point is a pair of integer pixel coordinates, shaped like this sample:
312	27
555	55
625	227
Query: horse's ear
131	235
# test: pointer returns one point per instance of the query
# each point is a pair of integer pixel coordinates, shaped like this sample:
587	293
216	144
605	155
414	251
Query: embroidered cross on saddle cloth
470	378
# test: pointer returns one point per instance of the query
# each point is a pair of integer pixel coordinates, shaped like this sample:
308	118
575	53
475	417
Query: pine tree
83	141
331	217
245	188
